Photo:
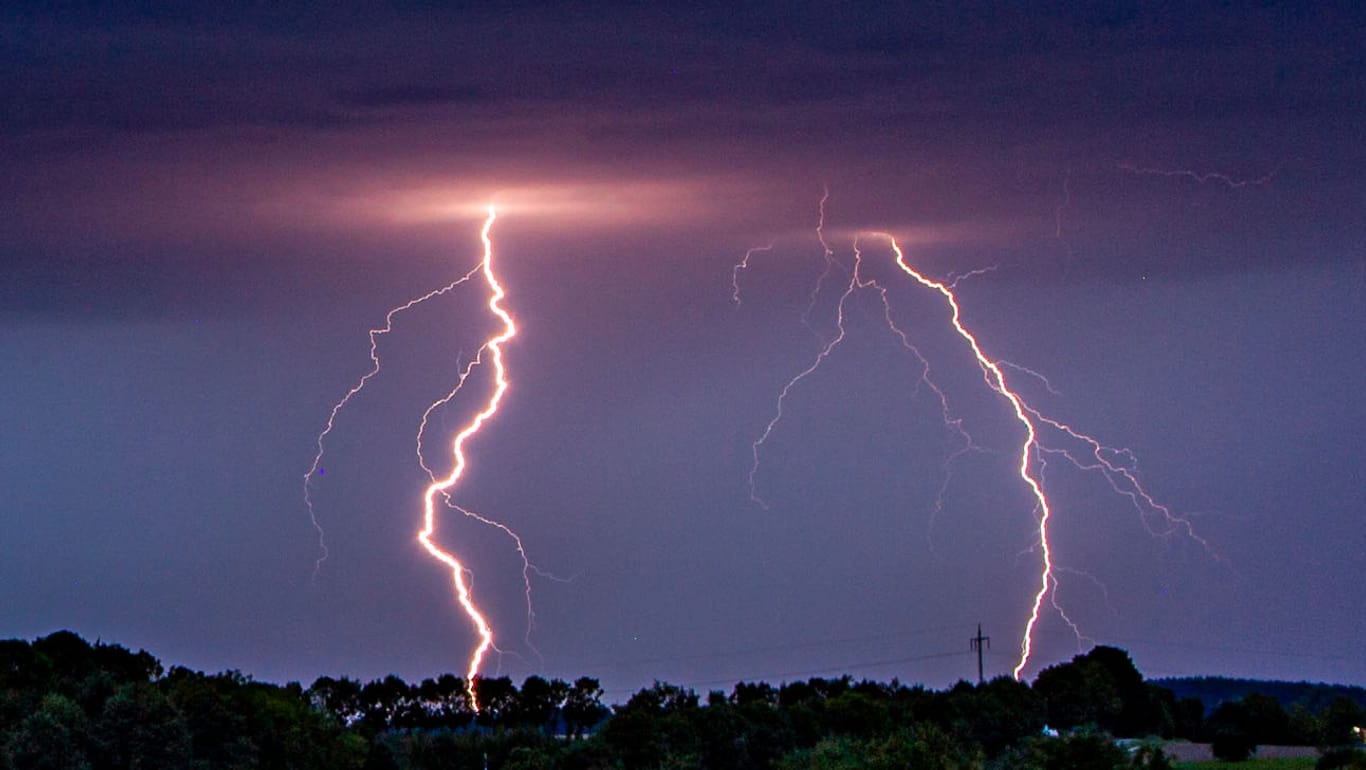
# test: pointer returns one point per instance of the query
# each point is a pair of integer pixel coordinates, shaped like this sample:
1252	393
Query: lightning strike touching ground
996	380
1120	475
528	568
443	486
316	468
493	347
1117	465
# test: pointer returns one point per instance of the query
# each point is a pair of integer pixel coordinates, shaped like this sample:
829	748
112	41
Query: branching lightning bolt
792	383
528	568
1113	470
316	468
493	347
856	283
996	380
1118	466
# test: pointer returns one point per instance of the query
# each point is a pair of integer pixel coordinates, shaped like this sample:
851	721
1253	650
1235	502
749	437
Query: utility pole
978	643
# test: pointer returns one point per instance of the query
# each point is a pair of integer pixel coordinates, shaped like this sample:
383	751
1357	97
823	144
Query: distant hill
1213	690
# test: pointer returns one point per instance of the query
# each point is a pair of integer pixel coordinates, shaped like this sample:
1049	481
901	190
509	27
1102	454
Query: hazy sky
205	210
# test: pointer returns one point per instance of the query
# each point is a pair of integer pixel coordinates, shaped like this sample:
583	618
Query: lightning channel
316	468
493	348
1117	465
1200	176
743	264
857	282
528	567
831	264
824	353
995	378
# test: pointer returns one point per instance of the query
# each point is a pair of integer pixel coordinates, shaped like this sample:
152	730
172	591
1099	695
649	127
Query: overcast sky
207	209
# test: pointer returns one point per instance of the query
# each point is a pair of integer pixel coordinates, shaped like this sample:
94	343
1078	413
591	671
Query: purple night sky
205	210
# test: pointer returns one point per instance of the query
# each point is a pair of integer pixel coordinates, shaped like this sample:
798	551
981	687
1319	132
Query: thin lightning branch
743	265
1100	585
782	395
1048	386
954	424
1200	176
830	263
1123	479
858	283
494	348
954	280
1113	470
316	468
1058	212
1082	638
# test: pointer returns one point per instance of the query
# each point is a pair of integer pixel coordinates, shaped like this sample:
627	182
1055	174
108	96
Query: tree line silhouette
66	703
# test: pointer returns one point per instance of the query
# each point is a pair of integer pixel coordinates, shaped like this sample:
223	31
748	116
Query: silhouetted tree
139	728
340	697
1266	719
1229	732
757	692
384	704
1085	749
54	737
1338	719
445	702
1101	687
655	727
996	715
921	746
539	702
583	707
497	697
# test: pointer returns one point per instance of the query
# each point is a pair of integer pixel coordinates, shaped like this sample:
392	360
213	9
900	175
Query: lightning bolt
316	468
823	354
1200	176
528	568
1117	465
1109	461
995	378
856	283
493	348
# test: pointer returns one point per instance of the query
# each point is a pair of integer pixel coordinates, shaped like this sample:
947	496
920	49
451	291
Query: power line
778	648
828	669
978	644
